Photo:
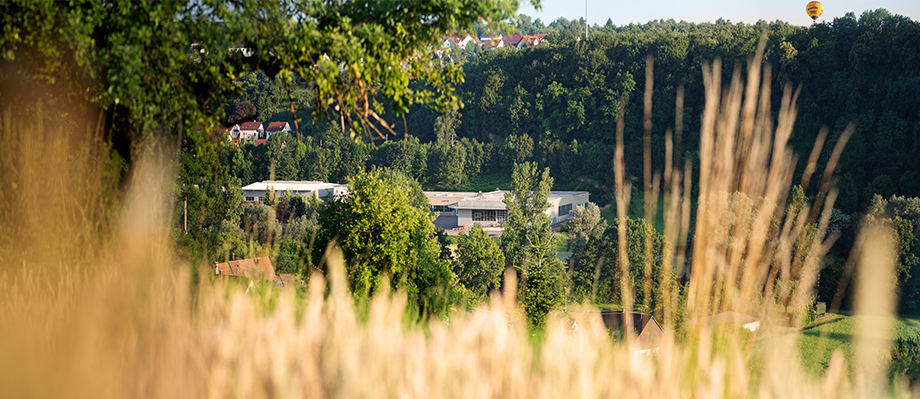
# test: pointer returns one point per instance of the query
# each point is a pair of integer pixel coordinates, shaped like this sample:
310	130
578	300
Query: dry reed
87	313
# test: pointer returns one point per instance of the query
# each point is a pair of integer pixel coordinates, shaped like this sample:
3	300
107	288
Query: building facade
256	192
460	210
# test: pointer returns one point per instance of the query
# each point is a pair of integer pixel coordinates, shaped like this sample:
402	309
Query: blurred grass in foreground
95	304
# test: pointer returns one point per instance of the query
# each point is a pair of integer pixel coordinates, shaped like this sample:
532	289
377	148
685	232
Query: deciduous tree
480	263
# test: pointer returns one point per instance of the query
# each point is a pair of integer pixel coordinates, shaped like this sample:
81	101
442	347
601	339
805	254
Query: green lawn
818	341
487	183
636	210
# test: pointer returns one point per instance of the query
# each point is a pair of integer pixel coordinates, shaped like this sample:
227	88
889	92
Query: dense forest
556	104
563	96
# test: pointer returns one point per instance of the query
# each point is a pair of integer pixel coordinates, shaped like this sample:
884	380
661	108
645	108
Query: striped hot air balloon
814	10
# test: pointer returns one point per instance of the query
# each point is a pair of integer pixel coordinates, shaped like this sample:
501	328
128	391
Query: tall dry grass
94	304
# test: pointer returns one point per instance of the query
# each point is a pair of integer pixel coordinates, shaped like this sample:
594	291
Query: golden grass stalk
94	304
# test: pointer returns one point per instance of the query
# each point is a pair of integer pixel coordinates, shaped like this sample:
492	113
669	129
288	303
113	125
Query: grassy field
486	183
635	210
818	341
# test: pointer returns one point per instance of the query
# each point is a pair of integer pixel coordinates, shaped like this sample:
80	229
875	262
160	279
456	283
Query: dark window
443	209
482	215
565	209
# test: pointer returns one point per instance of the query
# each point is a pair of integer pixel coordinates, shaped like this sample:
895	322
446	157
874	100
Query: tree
445	128
479	263
901	214
527	225
411	186
260	223
241	111
447	167
228	204
162	68
289	259
381	235
586	225
596	274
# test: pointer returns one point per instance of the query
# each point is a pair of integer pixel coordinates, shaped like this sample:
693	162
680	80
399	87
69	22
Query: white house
256	192
251	130
276	127
233	133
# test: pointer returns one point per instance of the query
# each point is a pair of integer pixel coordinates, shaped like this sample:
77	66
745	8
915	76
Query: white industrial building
460	210
256	192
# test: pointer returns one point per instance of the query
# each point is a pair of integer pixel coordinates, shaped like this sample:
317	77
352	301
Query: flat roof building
256	192
460	210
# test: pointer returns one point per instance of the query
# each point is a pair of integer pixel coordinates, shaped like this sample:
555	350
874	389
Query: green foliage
447	167
902	215
527	239
289	259
586	225
596	274
905	359
228	205
527	223
303	225
156	68
544	289
408	184
479	264
835	332
260	223
382	236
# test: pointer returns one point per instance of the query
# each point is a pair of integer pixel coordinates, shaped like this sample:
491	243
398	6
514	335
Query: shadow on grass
821	323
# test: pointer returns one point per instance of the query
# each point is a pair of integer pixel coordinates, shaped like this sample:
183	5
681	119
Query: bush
905	359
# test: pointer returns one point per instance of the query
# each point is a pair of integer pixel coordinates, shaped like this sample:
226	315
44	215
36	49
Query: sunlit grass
126	319
488	182
817	341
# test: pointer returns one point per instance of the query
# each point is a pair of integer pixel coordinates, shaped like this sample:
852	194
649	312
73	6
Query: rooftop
282	185
254	269
489	200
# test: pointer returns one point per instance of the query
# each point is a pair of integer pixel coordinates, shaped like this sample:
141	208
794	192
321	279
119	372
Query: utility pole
586	21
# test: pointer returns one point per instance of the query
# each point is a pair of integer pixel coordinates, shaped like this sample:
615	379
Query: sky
749	12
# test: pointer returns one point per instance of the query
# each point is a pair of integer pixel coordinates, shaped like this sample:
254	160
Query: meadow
96	303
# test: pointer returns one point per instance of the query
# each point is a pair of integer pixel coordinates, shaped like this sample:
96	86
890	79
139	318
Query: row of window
443	209
490	215
565	209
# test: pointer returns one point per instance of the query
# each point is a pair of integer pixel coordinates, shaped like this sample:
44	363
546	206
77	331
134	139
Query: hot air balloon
814	10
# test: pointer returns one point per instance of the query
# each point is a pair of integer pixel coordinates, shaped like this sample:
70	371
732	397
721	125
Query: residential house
232	133
530	40
276	127
516	40
251	131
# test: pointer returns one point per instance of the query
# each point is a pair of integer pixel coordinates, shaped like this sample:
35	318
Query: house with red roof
232	133
277	127
251	130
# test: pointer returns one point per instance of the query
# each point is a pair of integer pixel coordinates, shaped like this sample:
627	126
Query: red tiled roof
251	126
259	142
255	269
276	126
